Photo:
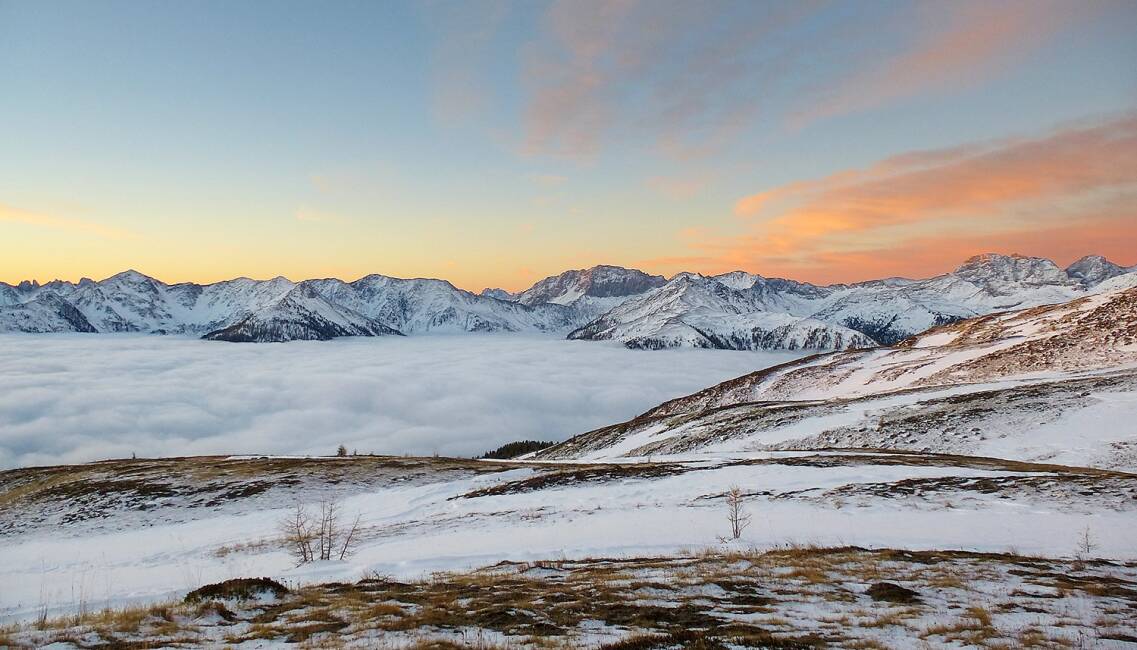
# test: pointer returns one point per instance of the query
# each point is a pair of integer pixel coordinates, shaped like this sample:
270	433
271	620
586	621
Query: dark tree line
517	448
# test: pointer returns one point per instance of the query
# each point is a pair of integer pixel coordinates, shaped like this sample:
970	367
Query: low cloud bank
76	398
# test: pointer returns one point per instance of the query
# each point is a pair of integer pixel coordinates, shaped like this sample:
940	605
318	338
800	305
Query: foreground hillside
1051	383
792	598
117	533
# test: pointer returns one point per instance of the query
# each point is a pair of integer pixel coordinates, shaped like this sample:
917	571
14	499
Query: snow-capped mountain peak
1094	269
500	294
738	279
737	310
603	281
693	310
1004	274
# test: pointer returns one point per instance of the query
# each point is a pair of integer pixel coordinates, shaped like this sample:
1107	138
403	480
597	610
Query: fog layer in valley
78	398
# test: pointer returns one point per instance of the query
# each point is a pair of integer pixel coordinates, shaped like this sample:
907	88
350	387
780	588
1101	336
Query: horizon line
666	277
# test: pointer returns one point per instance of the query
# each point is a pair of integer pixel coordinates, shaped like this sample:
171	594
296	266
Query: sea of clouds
75	398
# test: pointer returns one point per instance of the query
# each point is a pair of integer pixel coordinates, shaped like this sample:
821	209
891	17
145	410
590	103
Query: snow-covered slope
142	531
810	402
47	312
734	310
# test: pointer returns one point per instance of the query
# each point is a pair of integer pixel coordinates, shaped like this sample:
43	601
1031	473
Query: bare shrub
320	539
297	533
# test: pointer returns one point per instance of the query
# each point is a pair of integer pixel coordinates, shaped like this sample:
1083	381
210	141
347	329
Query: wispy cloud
672	72
77	226
1076	183
691	80
954	45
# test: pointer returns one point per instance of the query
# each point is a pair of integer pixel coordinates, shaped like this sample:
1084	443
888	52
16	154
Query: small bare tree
736	514
322	539
349	537
1086	545
341	451
329	528
297	530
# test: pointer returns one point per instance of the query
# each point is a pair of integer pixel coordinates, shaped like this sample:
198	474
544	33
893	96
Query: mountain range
736	310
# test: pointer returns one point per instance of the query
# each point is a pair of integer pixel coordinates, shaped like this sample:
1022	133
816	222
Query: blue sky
493	143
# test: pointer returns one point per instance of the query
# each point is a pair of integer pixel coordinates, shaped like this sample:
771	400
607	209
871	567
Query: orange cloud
1068	192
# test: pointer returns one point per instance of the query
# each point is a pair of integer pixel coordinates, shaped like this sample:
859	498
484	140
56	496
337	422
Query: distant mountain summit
736	310
1092	270
597	282
500	294
1009	274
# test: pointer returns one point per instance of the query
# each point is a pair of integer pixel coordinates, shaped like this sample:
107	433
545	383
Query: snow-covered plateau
130	533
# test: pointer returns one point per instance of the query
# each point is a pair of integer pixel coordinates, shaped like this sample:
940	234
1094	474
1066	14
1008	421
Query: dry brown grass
893	617
866	644
725	597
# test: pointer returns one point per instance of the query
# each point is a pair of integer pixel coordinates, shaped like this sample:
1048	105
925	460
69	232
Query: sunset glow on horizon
494	144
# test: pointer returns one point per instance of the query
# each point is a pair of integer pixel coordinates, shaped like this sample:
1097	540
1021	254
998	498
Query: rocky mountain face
695	311
46	312
742	311
1092	270
597	282
302	314
735	310
973	386
420	305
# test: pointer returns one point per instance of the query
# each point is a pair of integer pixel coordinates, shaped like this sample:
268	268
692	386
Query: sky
494	143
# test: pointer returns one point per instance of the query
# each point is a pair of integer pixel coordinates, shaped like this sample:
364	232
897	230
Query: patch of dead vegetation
792	597
551	478
38	497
